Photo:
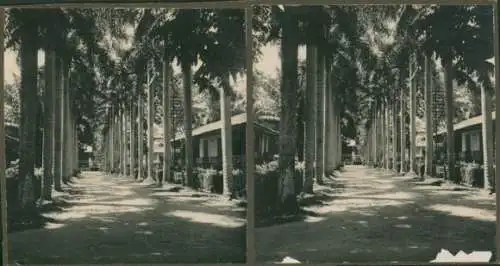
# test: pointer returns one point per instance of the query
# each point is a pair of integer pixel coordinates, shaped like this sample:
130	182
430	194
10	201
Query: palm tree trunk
126	158
310	124
450	136
3	184
334	133
187	84
413	117
487	129
402	105
429	148
301	127
117	140
167	124
28	98
226	129
140	133
58	127
375	137
339	138
49	125
387	135
327	121
320	92
112	141
394	134
287	201
119	136
75	148
64	139
132	139
67	125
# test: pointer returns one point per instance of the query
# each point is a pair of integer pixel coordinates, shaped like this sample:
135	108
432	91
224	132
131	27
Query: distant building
468	137
207	144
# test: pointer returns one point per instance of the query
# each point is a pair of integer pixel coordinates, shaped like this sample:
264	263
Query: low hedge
211	180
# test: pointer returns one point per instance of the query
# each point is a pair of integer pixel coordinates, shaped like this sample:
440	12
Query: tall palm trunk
394	143
188	150
300	126
450	136
67	126
3	197
28	98
77	150
487	129
64	122
387	135
287	201
333	128
140	132
413	117
375	137
132	139
384	134
58	126
48	135
310	124
320	92
120	140
227	147
126	159
340	140
167	124
402	106
429	148
327	122
112	141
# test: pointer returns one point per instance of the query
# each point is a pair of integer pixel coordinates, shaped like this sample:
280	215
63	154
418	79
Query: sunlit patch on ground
51	226
144	232
402	225
208	218
347	204
79	212
466	212
393	196
311	219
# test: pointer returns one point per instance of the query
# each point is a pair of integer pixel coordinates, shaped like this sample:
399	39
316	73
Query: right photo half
374	133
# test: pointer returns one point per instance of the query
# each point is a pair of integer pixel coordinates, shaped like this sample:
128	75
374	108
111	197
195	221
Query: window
201	148
464	142
475	141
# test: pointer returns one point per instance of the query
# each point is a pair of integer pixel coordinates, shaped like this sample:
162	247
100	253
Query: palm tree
49	124
450	138
413	69
310	123
27	37
287	202
429	151
167	130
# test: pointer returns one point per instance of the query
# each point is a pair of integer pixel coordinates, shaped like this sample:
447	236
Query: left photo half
124	135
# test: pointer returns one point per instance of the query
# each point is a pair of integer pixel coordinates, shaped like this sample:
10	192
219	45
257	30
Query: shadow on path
376	216
109	219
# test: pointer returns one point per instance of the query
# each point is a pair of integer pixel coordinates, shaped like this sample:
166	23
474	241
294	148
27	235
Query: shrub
266	185
239	183
471	174
205	178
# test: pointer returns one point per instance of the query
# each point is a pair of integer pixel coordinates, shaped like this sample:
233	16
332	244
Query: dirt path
115	220
373	216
